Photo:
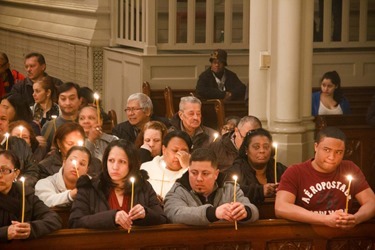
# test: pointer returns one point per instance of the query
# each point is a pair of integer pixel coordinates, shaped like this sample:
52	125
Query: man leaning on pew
201	196
317	191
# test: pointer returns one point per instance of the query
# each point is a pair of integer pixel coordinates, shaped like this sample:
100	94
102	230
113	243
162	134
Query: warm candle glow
350	178
275	164
54	121
132	196
75	166
96	96
216	135
22	179
235	195
80	143
7	137
21	130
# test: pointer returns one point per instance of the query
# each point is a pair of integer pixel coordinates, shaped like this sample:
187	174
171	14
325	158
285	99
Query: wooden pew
109	125
263	234
360	147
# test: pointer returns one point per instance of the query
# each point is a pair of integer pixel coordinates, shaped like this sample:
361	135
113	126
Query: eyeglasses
7	171
132	109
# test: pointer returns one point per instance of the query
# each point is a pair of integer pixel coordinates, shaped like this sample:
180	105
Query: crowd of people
152	170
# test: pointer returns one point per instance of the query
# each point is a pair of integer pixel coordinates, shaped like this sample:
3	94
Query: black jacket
248	181
91	210
225	151
207	86
42	220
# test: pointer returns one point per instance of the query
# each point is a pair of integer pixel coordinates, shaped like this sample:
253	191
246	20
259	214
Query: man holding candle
316	191
201	196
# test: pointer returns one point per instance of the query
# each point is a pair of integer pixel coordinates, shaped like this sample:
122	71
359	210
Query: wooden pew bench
263	234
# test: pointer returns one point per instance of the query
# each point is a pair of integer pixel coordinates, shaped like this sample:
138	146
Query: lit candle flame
216	135
96	96
7	137
21	130
235	196
132	196
53	116
75	166
350	178
80	143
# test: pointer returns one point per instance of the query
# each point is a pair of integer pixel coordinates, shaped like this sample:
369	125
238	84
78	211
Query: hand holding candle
22	179
275	158
350	178
132	196
235	195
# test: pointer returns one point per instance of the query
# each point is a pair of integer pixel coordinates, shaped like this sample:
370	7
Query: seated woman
38	218
96	141
67	135
166	169
329	100
149	140
60	188
24	131
18	109
255	166
45	98
104	203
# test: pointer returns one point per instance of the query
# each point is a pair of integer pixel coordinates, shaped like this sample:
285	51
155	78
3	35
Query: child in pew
60	189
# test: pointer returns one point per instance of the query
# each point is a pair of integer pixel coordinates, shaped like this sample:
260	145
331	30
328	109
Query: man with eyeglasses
28	166
139	111
226	148
201	196
35	66
189	119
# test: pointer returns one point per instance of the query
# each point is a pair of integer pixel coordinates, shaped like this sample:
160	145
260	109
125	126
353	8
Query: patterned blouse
38	113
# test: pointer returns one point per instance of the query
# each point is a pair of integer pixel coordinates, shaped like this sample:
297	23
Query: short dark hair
180	134
249	136
331	132
204	154
68	86
82	149
12	157
40	57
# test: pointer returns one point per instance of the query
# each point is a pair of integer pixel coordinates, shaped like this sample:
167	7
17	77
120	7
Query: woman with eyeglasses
38	218
60	189
255	166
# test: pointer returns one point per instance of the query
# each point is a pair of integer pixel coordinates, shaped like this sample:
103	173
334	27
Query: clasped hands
125	220
340	219
18	230
234	211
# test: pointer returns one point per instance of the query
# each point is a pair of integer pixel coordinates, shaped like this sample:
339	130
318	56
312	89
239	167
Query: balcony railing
155	25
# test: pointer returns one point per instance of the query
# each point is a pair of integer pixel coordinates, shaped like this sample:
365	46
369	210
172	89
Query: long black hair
336	80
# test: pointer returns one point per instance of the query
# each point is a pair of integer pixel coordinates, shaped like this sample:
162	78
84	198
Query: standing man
201	197
217	82
69	102
189	119
35	66
315	191
139	111
227	147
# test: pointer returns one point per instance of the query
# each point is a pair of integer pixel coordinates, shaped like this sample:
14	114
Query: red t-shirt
321	192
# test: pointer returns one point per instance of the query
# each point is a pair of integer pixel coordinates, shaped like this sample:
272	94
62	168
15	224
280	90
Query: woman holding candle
67	135
39	149
45	98
96	141
38	218
255	166
149	140
60	189
104	202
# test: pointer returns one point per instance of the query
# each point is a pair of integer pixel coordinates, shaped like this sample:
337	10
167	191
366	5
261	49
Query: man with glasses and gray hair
227	147
139	111
189	119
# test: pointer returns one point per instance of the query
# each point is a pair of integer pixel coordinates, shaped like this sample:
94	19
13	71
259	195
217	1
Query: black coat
207	86
42	220
225	151
248	181
91	209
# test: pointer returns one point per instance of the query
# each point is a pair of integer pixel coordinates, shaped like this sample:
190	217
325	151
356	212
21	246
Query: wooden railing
263	234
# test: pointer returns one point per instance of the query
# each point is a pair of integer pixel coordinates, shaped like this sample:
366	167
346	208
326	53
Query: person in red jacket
7	76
